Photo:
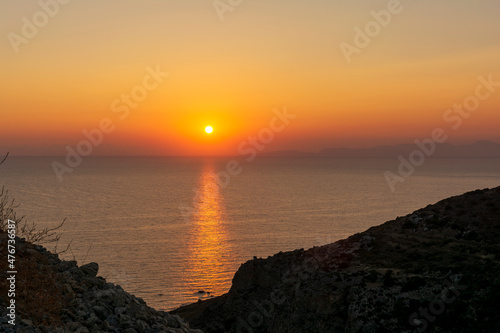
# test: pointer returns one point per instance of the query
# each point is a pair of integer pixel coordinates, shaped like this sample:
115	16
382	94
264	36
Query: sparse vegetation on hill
435	270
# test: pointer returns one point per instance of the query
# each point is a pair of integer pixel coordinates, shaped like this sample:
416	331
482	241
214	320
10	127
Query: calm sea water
124	212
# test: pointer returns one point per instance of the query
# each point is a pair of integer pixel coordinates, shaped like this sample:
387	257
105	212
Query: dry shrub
39	295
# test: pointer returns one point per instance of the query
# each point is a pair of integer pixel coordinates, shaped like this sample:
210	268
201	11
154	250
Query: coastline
433	270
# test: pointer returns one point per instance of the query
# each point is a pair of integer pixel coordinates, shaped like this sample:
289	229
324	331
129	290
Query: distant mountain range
476	149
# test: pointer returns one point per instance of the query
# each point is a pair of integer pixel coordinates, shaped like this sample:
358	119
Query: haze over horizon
231	69
485	147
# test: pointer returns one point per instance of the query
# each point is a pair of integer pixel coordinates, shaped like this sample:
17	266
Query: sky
146	77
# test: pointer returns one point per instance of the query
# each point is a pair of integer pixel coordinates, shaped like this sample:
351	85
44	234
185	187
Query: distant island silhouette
479	149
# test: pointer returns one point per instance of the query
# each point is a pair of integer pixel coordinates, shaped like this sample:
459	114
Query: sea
173	230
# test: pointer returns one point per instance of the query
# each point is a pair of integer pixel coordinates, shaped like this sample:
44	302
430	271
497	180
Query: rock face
58	296
436	270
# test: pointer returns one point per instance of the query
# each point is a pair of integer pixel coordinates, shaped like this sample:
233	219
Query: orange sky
232	73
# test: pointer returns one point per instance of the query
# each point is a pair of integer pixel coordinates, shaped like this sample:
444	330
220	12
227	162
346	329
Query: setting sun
209	129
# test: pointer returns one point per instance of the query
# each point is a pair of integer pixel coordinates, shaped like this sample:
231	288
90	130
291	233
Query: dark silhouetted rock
90	269
436	270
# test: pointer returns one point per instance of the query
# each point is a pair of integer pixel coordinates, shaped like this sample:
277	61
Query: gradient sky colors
231	74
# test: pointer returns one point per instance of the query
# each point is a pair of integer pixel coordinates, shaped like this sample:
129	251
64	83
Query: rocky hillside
58	296
436	270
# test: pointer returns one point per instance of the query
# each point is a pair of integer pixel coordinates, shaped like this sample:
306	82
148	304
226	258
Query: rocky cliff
52	295
436	270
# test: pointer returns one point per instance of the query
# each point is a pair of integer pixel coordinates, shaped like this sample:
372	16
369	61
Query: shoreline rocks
58	296
435	270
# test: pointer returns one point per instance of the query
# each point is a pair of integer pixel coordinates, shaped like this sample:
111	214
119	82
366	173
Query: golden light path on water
210	253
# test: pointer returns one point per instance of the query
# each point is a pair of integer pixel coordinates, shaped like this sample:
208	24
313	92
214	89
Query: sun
209	129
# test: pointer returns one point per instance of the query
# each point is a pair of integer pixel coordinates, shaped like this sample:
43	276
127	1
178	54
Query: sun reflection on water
209	268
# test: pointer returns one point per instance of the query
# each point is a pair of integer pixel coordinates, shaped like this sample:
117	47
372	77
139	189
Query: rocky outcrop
436	270
58	296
